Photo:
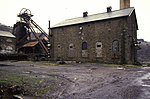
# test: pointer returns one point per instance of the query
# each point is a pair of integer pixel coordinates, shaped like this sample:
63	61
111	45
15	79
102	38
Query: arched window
84	46
58	46
71	46
98	45
115	46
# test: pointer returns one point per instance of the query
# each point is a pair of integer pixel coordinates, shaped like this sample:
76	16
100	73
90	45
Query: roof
96	17
6	34
30	44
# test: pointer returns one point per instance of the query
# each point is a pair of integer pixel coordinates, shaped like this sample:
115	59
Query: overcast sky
59	10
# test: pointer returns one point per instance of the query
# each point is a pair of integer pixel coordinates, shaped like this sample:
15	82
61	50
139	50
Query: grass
28	83
13	79
44	90
47	63
33	86
39	63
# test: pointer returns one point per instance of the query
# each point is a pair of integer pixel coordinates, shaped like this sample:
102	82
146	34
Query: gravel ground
84	81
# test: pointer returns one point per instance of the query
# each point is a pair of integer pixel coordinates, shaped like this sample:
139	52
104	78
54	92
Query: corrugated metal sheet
30	44
96	17
6	34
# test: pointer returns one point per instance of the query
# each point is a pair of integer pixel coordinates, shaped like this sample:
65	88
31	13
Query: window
84	46
71	46
58	46
98	49
9	48
9	40
98	45
115	46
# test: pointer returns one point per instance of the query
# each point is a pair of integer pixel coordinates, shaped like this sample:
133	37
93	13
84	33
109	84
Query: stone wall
7	44
99	41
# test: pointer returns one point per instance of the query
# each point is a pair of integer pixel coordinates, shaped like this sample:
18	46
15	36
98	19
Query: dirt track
83	81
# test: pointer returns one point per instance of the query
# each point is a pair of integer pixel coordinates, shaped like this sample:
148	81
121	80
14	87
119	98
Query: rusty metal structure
27	29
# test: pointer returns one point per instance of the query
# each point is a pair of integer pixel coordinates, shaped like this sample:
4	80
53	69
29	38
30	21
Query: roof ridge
96	17
99	13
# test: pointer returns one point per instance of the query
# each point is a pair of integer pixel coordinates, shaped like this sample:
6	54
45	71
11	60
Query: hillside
5	28
144	52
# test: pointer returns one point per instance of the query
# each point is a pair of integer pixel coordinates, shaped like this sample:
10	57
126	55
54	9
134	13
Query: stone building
108	37
7	42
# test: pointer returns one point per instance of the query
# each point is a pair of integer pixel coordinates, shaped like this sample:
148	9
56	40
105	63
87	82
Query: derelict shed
31	47
7	42
108	37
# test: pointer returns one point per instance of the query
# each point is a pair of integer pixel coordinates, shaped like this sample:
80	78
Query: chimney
124	4
85	14
109	9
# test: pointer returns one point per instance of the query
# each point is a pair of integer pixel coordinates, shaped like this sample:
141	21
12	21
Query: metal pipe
49	39
123	47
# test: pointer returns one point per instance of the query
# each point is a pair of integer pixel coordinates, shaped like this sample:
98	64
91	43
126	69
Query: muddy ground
47	80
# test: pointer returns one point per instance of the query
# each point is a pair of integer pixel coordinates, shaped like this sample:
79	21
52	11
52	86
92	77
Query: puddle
144	85
146	68
140	71
120	68
144	81
140	81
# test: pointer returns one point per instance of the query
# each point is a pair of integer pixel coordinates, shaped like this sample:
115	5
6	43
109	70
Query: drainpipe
49	40
123	47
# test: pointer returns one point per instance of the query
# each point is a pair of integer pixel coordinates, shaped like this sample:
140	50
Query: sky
59	10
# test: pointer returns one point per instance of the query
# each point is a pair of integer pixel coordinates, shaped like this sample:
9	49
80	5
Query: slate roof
96	17
6	34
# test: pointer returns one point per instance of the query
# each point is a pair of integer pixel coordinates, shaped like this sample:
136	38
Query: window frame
115	46
84	46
